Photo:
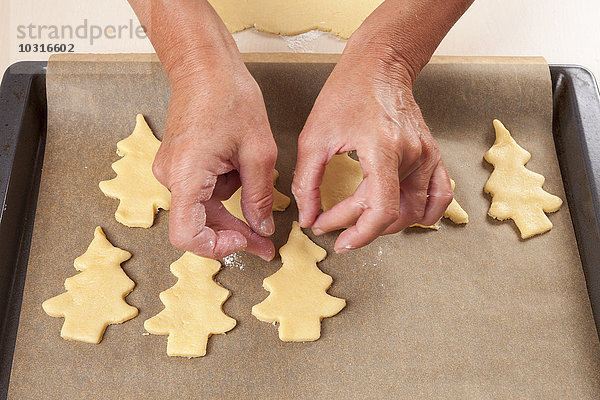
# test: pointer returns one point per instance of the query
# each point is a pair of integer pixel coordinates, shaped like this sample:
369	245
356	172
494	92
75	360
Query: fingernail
317	231
207	235
268	258
344	249
267	227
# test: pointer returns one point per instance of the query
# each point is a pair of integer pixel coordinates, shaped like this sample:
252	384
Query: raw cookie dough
234	203
95	298
298	299
342	176
516	191
140	194
292	17
454	211
192	307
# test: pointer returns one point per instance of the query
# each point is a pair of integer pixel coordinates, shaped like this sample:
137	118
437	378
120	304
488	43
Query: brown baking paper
465	312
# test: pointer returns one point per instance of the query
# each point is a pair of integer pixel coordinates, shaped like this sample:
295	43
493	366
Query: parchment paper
465	312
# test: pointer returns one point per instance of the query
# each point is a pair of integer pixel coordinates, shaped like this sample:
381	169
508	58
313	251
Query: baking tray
576	129
22	139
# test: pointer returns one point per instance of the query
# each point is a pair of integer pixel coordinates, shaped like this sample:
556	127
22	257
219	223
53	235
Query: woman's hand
367	105
218	136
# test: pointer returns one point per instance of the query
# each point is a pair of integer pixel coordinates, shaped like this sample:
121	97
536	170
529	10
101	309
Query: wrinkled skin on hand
217	137
367	105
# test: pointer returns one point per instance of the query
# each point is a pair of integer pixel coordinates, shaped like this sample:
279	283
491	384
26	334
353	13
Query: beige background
562	31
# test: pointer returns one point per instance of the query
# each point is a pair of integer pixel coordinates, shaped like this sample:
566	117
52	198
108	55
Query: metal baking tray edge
576	128
22	139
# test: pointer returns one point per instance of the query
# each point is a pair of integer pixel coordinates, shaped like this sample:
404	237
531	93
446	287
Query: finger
219	219
382	198
187	216
188	230
187	219
159	169
226	185
310	166
226	243
256	173
413	196
439	195
342	215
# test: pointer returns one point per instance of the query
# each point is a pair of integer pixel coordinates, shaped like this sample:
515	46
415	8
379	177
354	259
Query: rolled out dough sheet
292	17
463	313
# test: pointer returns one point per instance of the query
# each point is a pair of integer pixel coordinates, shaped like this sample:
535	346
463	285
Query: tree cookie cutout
234	203
139	192
298	299
192	307
342	177
516	191
95	298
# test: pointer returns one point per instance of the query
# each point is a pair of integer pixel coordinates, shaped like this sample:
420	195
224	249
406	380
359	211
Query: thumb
256	174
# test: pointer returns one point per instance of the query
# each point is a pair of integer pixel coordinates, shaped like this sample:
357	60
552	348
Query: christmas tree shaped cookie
192	307
234	203
516	191
140	194
298	299
95	298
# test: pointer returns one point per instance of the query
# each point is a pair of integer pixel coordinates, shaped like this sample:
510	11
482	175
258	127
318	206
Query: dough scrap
192	310
298	299
95	298
455	212
293	17
139	192
234	203
342	176
516	191
435	227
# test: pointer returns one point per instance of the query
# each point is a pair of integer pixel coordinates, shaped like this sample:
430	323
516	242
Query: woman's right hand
217	134
217	137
